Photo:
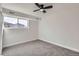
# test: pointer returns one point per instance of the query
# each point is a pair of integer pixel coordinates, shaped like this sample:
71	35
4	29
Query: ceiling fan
42	7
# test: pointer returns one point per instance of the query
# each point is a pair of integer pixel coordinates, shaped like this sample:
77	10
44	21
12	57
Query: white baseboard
16	43
64	46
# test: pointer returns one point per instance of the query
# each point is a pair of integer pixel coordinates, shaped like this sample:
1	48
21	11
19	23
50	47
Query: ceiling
25	8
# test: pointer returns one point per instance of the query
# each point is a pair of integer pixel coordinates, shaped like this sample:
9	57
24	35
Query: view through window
15	22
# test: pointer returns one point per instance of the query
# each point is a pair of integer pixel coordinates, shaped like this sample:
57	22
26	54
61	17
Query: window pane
23	22
10	20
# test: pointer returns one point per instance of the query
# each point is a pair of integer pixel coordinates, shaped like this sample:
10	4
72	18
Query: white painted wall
1	22
16	36
61	26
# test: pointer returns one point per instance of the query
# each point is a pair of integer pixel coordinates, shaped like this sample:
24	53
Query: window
23	22
15	22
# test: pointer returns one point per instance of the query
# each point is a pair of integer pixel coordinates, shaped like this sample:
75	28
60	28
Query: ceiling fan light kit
41	9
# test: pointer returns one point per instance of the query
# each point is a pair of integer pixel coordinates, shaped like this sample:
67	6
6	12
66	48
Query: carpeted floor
37	48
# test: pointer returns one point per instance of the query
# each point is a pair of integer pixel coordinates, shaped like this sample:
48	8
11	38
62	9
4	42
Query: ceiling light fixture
41	9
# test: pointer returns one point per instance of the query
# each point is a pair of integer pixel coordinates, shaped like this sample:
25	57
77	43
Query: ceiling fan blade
48	7
36	10
37	5
42	6
44	11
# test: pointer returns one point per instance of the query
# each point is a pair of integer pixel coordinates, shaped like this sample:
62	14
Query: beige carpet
37	48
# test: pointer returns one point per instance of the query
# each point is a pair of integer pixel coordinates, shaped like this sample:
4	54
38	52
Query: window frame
25	27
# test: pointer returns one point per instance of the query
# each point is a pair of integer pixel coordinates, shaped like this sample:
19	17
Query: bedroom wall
16	36
61	26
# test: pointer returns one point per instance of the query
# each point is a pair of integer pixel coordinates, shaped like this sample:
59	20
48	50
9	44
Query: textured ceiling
25	8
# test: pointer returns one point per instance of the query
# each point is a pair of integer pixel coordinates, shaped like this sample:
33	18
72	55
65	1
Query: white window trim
17	19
